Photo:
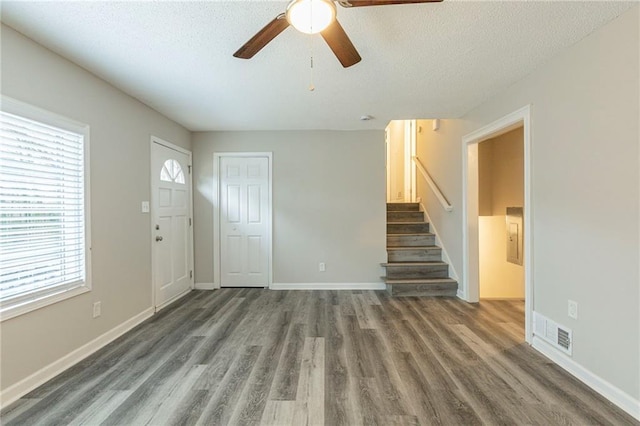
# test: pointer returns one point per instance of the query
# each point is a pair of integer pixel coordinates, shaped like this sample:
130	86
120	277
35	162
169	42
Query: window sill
13	311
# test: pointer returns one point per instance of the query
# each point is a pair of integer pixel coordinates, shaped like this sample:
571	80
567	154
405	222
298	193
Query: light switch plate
145	207
97	309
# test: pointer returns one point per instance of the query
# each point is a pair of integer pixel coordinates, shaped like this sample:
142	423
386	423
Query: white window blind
42	210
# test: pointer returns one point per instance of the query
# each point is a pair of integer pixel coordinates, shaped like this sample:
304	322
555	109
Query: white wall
328	202
585	193
121	240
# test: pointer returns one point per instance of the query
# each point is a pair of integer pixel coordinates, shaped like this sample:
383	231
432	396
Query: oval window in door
172	172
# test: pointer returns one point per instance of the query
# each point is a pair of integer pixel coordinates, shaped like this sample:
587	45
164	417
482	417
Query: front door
171	204
244	221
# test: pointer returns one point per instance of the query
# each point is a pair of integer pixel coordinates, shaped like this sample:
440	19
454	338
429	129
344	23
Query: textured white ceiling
419	61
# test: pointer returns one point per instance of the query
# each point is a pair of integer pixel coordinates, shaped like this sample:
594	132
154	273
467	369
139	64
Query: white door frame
387	162
166	144
410	136
216	211
470	241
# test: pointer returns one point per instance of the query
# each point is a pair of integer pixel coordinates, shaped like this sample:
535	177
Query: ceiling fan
316	16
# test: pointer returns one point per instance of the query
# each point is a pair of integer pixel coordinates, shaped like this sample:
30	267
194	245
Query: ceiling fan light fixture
311	16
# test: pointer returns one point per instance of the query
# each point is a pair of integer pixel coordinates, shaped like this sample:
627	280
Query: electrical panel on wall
514	235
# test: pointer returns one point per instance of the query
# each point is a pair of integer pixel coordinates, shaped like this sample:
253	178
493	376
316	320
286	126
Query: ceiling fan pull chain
312	87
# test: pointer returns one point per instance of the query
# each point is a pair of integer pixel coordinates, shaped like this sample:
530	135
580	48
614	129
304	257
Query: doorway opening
500	203
498	213
400	142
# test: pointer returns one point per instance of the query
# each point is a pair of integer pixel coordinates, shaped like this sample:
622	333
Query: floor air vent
557	335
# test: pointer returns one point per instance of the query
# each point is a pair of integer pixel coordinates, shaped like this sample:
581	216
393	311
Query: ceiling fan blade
361	3
339	42
263	37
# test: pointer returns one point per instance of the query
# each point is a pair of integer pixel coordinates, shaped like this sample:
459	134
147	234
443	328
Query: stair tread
417	234
418	280
415	264
414	248
407	223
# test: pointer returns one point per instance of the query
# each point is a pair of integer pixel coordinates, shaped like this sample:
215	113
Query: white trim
598	384
328	286
189	179
40	302
432	184
216	214
388	162
470	281
453	274
26	385
413	153
14	106
205	286
409	166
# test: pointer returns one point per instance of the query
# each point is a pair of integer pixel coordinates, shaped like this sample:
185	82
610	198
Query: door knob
158	238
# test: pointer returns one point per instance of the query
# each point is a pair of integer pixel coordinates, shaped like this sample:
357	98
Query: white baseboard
26	385
205	286
328	286
604	388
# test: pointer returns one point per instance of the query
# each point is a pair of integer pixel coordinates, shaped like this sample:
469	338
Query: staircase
414	263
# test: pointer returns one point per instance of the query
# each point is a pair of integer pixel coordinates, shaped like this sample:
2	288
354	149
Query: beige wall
585	192
121	240
501	173
395	163
500	185
328	202
439	152
485	178
499	279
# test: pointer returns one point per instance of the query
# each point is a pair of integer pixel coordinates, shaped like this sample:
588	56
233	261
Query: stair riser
410	240
423	290
407	228
413	207
417	272
417	255
405	217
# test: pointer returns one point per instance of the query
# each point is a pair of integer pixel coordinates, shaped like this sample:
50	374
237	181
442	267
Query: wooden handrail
425	174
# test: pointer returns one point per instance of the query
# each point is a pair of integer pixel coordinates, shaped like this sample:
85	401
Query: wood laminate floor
254	356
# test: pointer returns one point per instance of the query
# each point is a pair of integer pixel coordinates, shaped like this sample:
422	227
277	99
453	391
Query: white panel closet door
244	231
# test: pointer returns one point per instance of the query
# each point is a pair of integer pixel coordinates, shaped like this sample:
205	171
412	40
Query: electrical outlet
321	267
97	309
573	309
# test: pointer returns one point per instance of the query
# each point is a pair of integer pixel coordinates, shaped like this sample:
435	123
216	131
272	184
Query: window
172	172
44	244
